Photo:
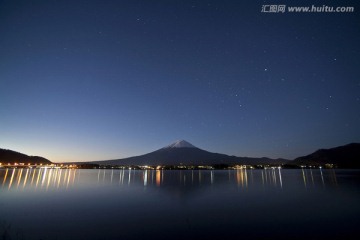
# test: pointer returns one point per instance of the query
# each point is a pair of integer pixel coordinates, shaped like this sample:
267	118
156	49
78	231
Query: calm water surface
222	204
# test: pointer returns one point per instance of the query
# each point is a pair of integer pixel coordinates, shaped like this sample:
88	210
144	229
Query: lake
96	204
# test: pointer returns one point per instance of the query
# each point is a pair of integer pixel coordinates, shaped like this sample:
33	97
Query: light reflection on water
43	178
56	204
244	178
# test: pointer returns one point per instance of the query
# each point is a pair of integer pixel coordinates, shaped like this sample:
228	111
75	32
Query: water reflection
46	178
37	178
158	178
272	177
314	177
241	177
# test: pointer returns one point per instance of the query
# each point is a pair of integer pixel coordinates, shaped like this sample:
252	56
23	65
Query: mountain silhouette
347	156
9	156
183	152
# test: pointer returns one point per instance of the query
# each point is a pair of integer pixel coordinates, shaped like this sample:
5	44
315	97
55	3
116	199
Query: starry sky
96	80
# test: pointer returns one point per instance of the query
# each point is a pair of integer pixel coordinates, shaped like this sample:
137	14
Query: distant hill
9	156
182	152
347	156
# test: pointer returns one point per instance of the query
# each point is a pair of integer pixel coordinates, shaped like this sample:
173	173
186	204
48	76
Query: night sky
96	80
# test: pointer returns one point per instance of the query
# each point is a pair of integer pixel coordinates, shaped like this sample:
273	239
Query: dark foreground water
229	204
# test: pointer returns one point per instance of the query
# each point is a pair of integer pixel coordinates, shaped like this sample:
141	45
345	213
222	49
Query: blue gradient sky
96	80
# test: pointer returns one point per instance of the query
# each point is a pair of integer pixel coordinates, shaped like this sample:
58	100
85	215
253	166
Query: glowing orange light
158	177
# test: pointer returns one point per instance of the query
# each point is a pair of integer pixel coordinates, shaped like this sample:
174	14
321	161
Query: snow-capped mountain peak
180	144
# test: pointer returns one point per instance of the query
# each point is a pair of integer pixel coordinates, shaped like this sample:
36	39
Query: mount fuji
180	144
183	152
